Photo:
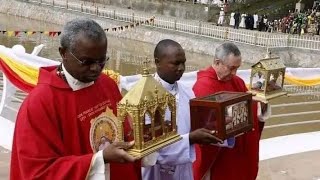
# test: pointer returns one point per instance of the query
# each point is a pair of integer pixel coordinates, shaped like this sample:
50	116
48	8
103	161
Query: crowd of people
301	22
307	22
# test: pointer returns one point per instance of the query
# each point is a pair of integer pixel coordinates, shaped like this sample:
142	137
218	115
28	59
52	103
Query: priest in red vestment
222	163
54	136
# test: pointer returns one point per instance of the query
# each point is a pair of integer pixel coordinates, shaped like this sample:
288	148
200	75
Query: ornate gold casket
267	78
151	111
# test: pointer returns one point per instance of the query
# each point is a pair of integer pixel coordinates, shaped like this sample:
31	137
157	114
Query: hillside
274	9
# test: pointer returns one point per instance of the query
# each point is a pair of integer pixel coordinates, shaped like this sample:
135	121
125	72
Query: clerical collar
73	82
172	88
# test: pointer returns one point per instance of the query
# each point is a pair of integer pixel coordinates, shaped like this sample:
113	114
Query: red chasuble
238	163
51	139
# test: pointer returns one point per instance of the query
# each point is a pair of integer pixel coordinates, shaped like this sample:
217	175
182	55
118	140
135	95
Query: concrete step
293	118
290	128
295	107
20	94
295	98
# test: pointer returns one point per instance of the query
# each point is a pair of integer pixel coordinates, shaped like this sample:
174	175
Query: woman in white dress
255	18
232	21
242	22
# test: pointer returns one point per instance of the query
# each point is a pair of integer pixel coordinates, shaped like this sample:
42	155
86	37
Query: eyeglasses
230	68
89	62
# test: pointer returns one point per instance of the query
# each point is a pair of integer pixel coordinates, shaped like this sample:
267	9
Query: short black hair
159	51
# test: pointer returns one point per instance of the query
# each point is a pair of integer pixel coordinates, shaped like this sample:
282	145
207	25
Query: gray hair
226	49
87	27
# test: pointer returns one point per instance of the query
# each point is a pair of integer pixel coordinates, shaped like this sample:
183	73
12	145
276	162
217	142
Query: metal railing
302	90
263	39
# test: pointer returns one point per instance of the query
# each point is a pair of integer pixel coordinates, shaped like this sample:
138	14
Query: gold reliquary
267	79
151	111
228	114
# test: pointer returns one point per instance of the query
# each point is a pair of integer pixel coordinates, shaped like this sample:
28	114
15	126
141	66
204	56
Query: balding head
170	60
162	47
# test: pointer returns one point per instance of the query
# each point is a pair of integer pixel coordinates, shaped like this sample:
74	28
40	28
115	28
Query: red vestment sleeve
38	151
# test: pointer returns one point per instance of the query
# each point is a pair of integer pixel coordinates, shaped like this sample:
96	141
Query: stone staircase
292	114
19	95
13	104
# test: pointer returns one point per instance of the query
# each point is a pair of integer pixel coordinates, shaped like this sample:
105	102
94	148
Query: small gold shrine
152	111
267	78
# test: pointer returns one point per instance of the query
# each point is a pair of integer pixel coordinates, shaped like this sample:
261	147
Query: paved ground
304	166
4	163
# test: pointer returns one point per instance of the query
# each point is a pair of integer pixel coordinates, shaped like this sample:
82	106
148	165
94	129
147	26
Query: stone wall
251	54
169	8
193	43
48	13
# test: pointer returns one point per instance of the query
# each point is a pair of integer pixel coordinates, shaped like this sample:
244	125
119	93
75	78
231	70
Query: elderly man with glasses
241	160
53	138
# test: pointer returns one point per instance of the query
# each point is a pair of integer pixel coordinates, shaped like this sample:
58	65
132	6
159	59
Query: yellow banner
10	33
